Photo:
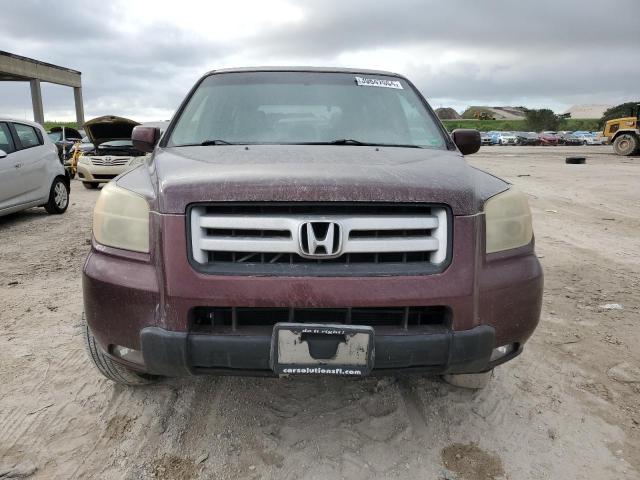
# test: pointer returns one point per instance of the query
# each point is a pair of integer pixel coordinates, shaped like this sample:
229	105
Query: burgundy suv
308	221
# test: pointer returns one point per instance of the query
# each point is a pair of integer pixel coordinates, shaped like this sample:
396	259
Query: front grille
318	238
110	161
384	319
103	176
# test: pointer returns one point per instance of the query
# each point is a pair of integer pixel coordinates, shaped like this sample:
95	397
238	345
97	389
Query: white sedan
113	151
589	138
31	174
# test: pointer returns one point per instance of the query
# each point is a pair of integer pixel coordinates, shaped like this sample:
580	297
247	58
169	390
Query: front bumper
180	353
95	173
145	302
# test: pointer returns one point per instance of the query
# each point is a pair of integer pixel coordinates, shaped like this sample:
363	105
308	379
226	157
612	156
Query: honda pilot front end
295	221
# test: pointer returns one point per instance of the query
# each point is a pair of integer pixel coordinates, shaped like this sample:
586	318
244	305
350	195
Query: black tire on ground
110	369
58	197
576	160
626	144
90	185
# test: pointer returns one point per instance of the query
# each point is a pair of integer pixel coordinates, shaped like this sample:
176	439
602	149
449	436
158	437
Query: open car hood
68	132
109	127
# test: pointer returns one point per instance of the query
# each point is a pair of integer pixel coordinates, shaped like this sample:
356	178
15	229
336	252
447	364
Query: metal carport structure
15	68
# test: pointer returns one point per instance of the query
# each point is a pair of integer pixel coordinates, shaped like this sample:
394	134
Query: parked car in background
494	137
84	145
588	138
548	138
227	252
507	138
31	174
485	138
527	138
64	138
568	139
601	136
113	151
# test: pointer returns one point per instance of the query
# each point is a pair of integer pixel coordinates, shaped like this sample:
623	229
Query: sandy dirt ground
567	408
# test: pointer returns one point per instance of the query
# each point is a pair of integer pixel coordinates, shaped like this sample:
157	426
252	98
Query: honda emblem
320	239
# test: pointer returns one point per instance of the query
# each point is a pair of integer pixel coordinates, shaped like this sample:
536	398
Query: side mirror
467	140
3	154
145	138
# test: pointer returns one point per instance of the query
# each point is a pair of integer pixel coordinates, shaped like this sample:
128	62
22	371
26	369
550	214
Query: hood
69	133
109	127
298	173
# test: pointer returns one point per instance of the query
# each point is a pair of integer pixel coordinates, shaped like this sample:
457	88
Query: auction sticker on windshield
377	82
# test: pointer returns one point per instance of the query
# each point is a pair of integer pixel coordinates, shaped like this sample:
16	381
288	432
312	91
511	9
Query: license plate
322	349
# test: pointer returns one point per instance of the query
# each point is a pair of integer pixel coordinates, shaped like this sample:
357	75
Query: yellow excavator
483	115
624	133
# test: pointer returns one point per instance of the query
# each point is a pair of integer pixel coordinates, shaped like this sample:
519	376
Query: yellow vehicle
72	163
480	115
624	134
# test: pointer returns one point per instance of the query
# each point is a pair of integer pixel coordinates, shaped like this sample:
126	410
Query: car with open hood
113	152
307	221
64	139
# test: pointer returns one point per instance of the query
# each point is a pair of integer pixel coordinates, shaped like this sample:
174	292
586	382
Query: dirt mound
446	113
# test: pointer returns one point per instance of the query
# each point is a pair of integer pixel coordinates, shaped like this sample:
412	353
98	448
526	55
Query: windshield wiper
351	141
215	142
347	141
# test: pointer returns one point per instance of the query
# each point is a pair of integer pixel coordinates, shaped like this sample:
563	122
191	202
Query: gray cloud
543	52
335	25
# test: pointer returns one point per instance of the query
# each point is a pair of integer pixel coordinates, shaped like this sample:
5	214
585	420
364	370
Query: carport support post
77	95
36	100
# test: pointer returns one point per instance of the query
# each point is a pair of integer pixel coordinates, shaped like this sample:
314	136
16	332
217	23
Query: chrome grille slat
276	237
391	245
249	244
114	162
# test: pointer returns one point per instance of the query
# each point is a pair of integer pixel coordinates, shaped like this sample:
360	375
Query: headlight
508	221
121	219
83	159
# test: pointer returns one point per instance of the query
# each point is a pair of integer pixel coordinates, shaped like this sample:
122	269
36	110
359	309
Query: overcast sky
139	58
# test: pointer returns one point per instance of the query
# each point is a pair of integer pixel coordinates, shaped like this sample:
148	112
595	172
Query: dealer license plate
322	349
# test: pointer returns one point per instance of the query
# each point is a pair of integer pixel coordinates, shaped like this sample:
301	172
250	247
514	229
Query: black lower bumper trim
179	353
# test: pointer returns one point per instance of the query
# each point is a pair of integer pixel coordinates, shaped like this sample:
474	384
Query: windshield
54	136
303	108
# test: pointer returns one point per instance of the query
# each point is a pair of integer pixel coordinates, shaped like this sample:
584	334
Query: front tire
90	185
625	144
110	369
58	197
